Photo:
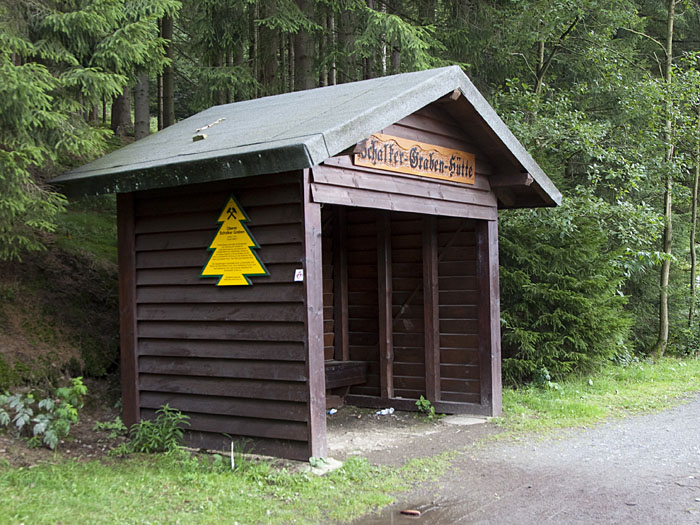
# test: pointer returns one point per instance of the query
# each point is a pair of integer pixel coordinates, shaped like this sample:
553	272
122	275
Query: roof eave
178	173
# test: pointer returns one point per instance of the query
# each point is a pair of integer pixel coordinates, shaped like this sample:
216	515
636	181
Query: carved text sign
417	158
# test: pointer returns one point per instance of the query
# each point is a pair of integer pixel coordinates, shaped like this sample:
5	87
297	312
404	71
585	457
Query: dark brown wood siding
458	300
232	357
407	304
363	324
328	222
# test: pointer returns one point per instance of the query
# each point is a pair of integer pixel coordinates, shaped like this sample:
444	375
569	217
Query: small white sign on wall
298	275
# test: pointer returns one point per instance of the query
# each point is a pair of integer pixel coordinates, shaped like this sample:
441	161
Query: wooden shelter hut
334	243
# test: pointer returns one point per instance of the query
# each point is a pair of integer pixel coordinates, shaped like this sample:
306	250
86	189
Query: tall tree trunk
168	74
291	61
693	228
286	44
323	50
219	62
229	65
142	117
384	56
304	51
396	58
347	66
94	114
367	64
268	48
238	61
121	114
255	44
333	44
159	98
540	67
662	340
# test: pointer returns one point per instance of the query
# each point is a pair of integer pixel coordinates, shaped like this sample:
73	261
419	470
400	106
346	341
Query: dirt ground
394	439
383	439
643	469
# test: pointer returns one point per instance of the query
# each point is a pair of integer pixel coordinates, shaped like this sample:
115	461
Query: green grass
90	226
614	391
162	489
178	489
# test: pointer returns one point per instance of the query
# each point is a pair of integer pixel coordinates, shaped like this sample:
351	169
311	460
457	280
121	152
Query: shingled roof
300	130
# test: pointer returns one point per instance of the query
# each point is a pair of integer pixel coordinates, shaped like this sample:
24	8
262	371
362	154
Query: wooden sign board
386	152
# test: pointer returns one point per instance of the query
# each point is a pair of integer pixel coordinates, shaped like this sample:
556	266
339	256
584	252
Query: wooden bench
345	373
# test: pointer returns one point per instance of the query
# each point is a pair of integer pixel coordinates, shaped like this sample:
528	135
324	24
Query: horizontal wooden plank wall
363	323
327	219
407	304
231	357
459	380
458	300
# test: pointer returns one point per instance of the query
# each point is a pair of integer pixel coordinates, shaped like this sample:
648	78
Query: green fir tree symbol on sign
233	258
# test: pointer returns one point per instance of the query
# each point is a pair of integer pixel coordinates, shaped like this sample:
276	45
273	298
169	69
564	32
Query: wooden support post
126	240
340	284
489	313
431	315
313	295
386	332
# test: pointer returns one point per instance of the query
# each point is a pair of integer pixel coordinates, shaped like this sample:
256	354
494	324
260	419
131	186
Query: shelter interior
394	285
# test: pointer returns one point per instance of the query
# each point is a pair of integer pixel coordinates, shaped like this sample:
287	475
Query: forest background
605	94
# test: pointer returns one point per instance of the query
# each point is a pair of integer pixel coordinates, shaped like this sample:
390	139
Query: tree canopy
604	94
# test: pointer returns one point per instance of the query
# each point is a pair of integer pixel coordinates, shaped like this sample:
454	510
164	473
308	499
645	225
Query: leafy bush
685	342
162	434
426	408
562	309
52	417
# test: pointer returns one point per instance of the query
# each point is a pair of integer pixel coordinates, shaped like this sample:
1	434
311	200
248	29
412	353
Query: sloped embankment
58	315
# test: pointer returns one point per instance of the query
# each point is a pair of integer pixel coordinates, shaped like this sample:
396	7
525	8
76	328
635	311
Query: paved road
644	469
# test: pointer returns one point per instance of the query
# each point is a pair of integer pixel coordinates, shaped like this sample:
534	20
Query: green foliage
418	44
143	489
8	375
163	434
115	428
616	390
578	82
685	342
562	308
57	62
426	408
43	420
89	226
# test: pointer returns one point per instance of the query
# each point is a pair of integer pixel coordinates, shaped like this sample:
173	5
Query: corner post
126	243
313	296
340	285
431	315
384	293
489	314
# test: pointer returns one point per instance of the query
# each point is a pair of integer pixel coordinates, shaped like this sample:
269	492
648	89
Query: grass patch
613	391
166	489
90	226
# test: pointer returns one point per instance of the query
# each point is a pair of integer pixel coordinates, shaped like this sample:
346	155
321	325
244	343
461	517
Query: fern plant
46	420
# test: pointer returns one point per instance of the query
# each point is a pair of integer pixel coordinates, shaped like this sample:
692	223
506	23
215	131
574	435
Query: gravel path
643	469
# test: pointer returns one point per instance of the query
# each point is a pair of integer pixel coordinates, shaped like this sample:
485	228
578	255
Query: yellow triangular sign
233	258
